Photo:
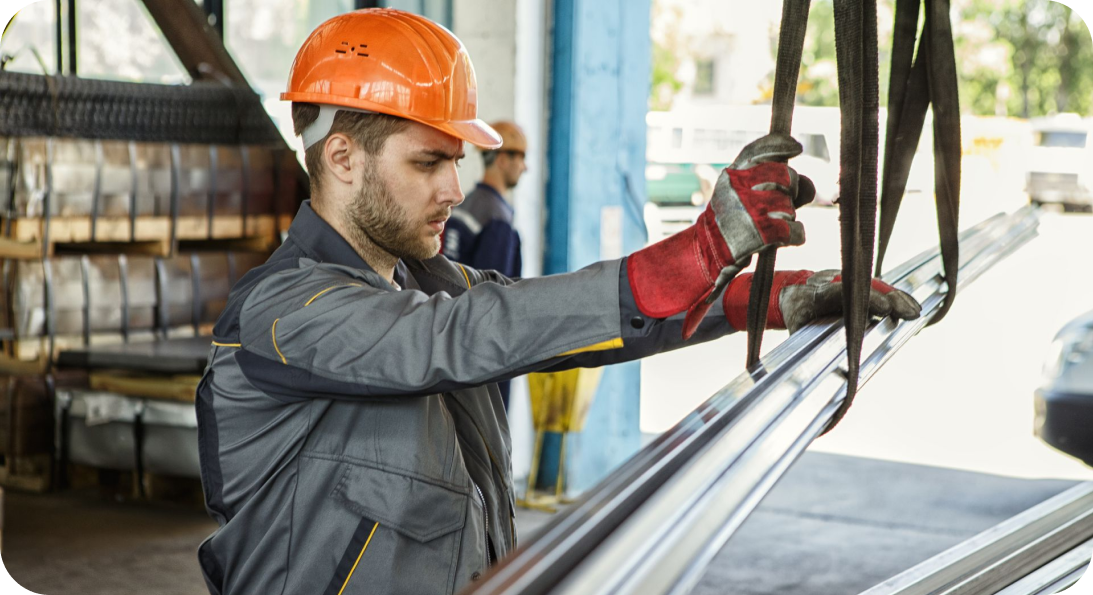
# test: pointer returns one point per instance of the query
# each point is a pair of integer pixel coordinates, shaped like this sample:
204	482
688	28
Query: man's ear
337	157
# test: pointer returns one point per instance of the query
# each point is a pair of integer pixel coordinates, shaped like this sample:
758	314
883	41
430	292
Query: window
719	144
437	10
118	40
32	31
704	77
677	138
263	37
1070	140
815	145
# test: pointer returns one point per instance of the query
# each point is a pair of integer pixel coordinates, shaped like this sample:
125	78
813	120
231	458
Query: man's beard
377	215
512	180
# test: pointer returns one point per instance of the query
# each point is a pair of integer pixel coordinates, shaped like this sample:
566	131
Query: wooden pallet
30	357
150	235
116	484
31	473
11	366
169	388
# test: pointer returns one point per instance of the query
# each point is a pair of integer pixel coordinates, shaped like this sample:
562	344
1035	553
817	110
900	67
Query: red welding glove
799	297
752	207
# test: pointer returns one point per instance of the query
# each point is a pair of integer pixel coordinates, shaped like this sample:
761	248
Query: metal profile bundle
86	161
64	302
54	306
654	524
140	197
1045	549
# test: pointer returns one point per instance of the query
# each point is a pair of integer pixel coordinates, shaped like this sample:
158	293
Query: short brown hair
370	131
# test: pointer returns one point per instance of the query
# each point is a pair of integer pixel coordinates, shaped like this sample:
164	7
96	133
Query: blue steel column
599	97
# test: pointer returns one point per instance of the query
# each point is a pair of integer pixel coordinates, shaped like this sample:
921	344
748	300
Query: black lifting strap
859	102
791	41
930	80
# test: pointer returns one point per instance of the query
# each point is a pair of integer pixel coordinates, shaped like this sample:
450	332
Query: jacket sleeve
317	331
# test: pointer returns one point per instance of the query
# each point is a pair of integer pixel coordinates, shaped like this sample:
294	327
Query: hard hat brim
477	132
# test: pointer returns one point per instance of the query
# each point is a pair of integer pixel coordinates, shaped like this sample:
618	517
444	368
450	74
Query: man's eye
428	164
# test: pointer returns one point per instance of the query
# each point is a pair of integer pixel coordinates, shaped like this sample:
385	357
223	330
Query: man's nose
450	192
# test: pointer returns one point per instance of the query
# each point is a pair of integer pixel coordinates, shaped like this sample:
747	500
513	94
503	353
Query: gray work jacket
352	438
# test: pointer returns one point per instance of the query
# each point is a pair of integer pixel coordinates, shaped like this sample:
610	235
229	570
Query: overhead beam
59	41
203	53
214	11
70	9
195	42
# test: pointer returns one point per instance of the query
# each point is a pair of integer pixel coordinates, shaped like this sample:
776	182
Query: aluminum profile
653	525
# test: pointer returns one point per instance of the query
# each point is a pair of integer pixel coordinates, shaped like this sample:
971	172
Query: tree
666	50
1023	58
818	82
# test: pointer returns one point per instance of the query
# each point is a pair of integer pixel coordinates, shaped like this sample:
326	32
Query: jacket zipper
496	466
486	516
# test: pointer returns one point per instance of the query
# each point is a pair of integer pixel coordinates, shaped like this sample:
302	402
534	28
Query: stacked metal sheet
127	212
95	299
83	177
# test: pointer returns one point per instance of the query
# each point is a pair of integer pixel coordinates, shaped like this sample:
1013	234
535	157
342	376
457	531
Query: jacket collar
320	242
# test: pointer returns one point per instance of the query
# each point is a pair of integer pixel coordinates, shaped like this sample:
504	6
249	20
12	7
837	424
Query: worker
480	232
351	435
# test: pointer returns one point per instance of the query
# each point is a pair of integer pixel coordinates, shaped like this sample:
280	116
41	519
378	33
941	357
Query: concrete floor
81	542
834	525
837	525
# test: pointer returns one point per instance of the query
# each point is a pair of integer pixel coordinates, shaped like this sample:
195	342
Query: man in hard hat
480	232
351	435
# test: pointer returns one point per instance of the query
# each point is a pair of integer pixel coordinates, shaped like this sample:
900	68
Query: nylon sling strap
791	41
915	84
931	80
859	102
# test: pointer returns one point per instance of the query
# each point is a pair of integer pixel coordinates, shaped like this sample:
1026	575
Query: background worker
480	232
351	434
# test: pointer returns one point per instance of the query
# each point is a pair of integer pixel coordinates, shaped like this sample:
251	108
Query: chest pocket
407	535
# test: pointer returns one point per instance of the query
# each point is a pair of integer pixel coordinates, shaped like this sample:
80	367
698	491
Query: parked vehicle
1061	162
1064	401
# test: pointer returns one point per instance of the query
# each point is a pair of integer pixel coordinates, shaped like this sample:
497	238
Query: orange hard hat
512	136
391	62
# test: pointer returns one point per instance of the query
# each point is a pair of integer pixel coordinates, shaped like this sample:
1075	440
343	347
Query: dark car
1064	402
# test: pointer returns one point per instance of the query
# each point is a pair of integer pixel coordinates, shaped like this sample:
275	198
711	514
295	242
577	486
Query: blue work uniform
480	234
